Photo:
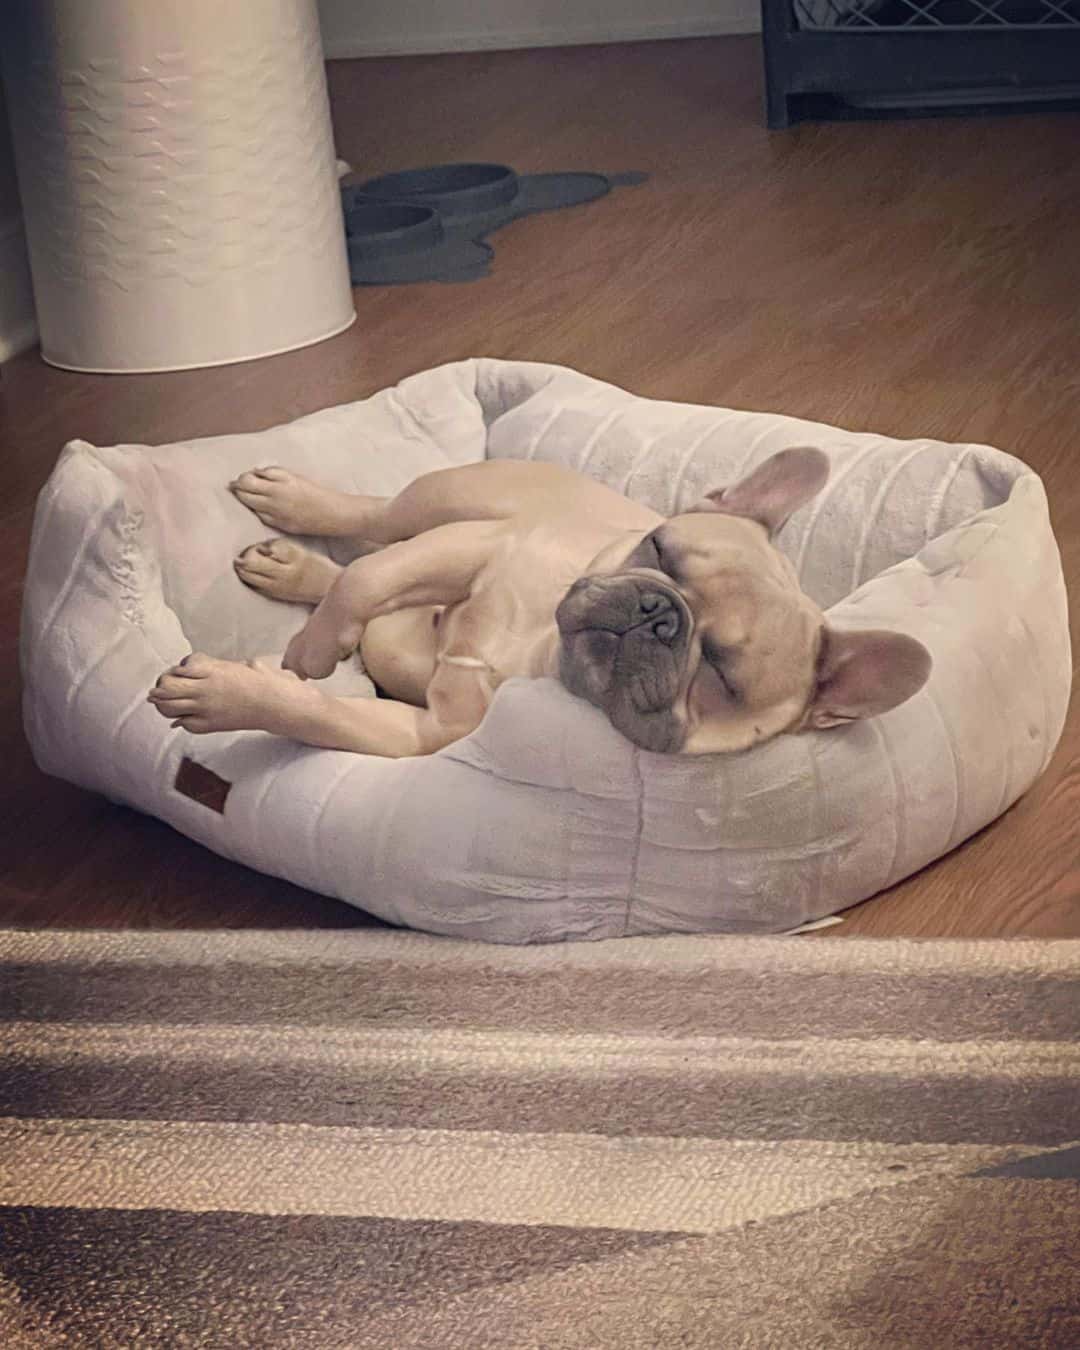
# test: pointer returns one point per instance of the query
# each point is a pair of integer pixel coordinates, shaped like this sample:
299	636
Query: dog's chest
509	617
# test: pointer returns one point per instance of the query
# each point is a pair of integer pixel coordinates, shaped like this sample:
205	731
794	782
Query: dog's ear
864	674
775	489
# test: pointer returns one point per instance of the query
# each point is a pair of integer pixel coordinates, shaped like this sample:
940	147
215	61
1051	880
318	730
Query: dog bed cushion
546	824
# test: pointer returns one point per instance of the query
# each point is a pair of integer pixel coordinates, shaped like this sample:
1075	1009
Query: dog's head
696	638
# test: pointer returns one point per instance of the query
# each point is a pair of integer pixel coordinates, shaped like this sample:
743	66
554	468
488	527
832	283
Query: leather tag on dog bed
202	785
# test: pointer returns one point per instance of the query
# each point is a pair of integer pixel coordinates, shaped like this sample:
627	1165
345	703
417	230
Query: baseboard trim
729	18
18	323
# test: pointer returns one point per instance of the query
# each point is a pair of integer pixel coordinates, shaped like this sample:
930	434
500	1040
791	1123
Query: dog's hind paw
283	570
295	505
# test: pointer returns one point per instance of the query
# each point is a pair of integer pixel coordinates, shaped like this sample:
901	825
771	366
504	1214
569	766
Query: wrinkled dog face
698	639
701	640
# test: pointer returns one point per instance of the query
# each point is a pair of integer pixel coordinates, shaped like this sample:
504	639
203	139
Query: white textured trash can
178	179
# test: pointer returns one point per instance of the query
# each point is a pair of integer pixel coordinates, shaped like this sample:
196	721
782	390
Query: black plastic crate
829	58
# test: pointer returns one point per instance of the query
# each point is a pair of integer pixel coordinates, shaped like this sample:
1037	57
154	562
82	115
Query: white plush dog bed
545	824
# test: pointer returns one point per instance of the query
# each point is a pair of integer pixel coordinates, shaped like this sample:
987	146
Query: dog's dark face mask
697	638
626	639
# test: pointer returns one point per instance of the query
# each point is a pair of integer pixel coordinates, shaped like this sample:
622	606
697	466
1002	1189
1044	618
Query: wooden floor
914	278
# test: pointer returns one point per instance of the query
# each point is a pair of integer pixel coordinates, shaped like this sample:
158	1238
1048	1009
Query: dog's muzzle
620	605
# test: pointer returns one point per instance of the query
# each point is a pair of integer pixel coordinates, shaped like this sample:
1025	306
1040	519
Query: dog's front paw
314	653
204	694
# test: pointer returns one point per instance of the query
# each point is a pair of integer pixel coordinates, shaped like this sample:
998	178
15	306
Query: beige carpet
377	1139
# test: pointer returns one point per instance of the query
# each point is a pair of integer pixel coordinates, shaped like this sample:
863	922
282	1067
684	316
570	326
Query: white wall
17	326
392	27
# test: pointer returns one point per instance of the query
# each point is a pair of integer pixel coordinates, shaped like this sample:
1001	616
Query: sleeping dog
689	633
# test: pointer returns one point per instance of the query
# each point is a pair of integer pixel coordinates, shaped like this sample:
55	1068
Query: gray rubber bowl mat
431	224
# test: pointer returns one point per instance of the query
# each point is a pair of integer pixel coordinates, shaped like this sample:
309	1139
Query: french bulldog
691	633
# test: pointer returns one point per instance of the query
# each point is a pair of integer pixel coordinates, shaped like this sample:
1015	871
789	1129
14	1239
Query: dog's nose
660	613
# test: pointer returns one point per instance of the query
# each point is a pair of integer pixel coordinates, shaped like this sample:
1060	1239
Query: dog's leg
434	568
496	489
283	570
487	490
203	695
288	502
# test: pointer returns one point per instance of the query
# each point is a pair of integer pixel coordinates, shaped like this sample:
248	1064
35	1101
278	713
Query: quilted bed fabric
546	824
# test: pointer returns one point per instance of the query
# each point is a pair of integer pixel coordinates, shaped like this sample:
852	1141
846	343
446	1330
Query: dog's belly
456	656
398	651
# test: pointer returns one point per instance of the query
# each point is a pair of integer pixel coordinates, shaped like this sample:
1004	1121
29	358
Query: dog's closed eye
652	553
647	554
719	659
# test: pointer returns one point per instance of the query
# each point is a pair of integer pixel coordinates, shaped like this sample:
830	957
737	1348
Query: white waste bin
178	179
